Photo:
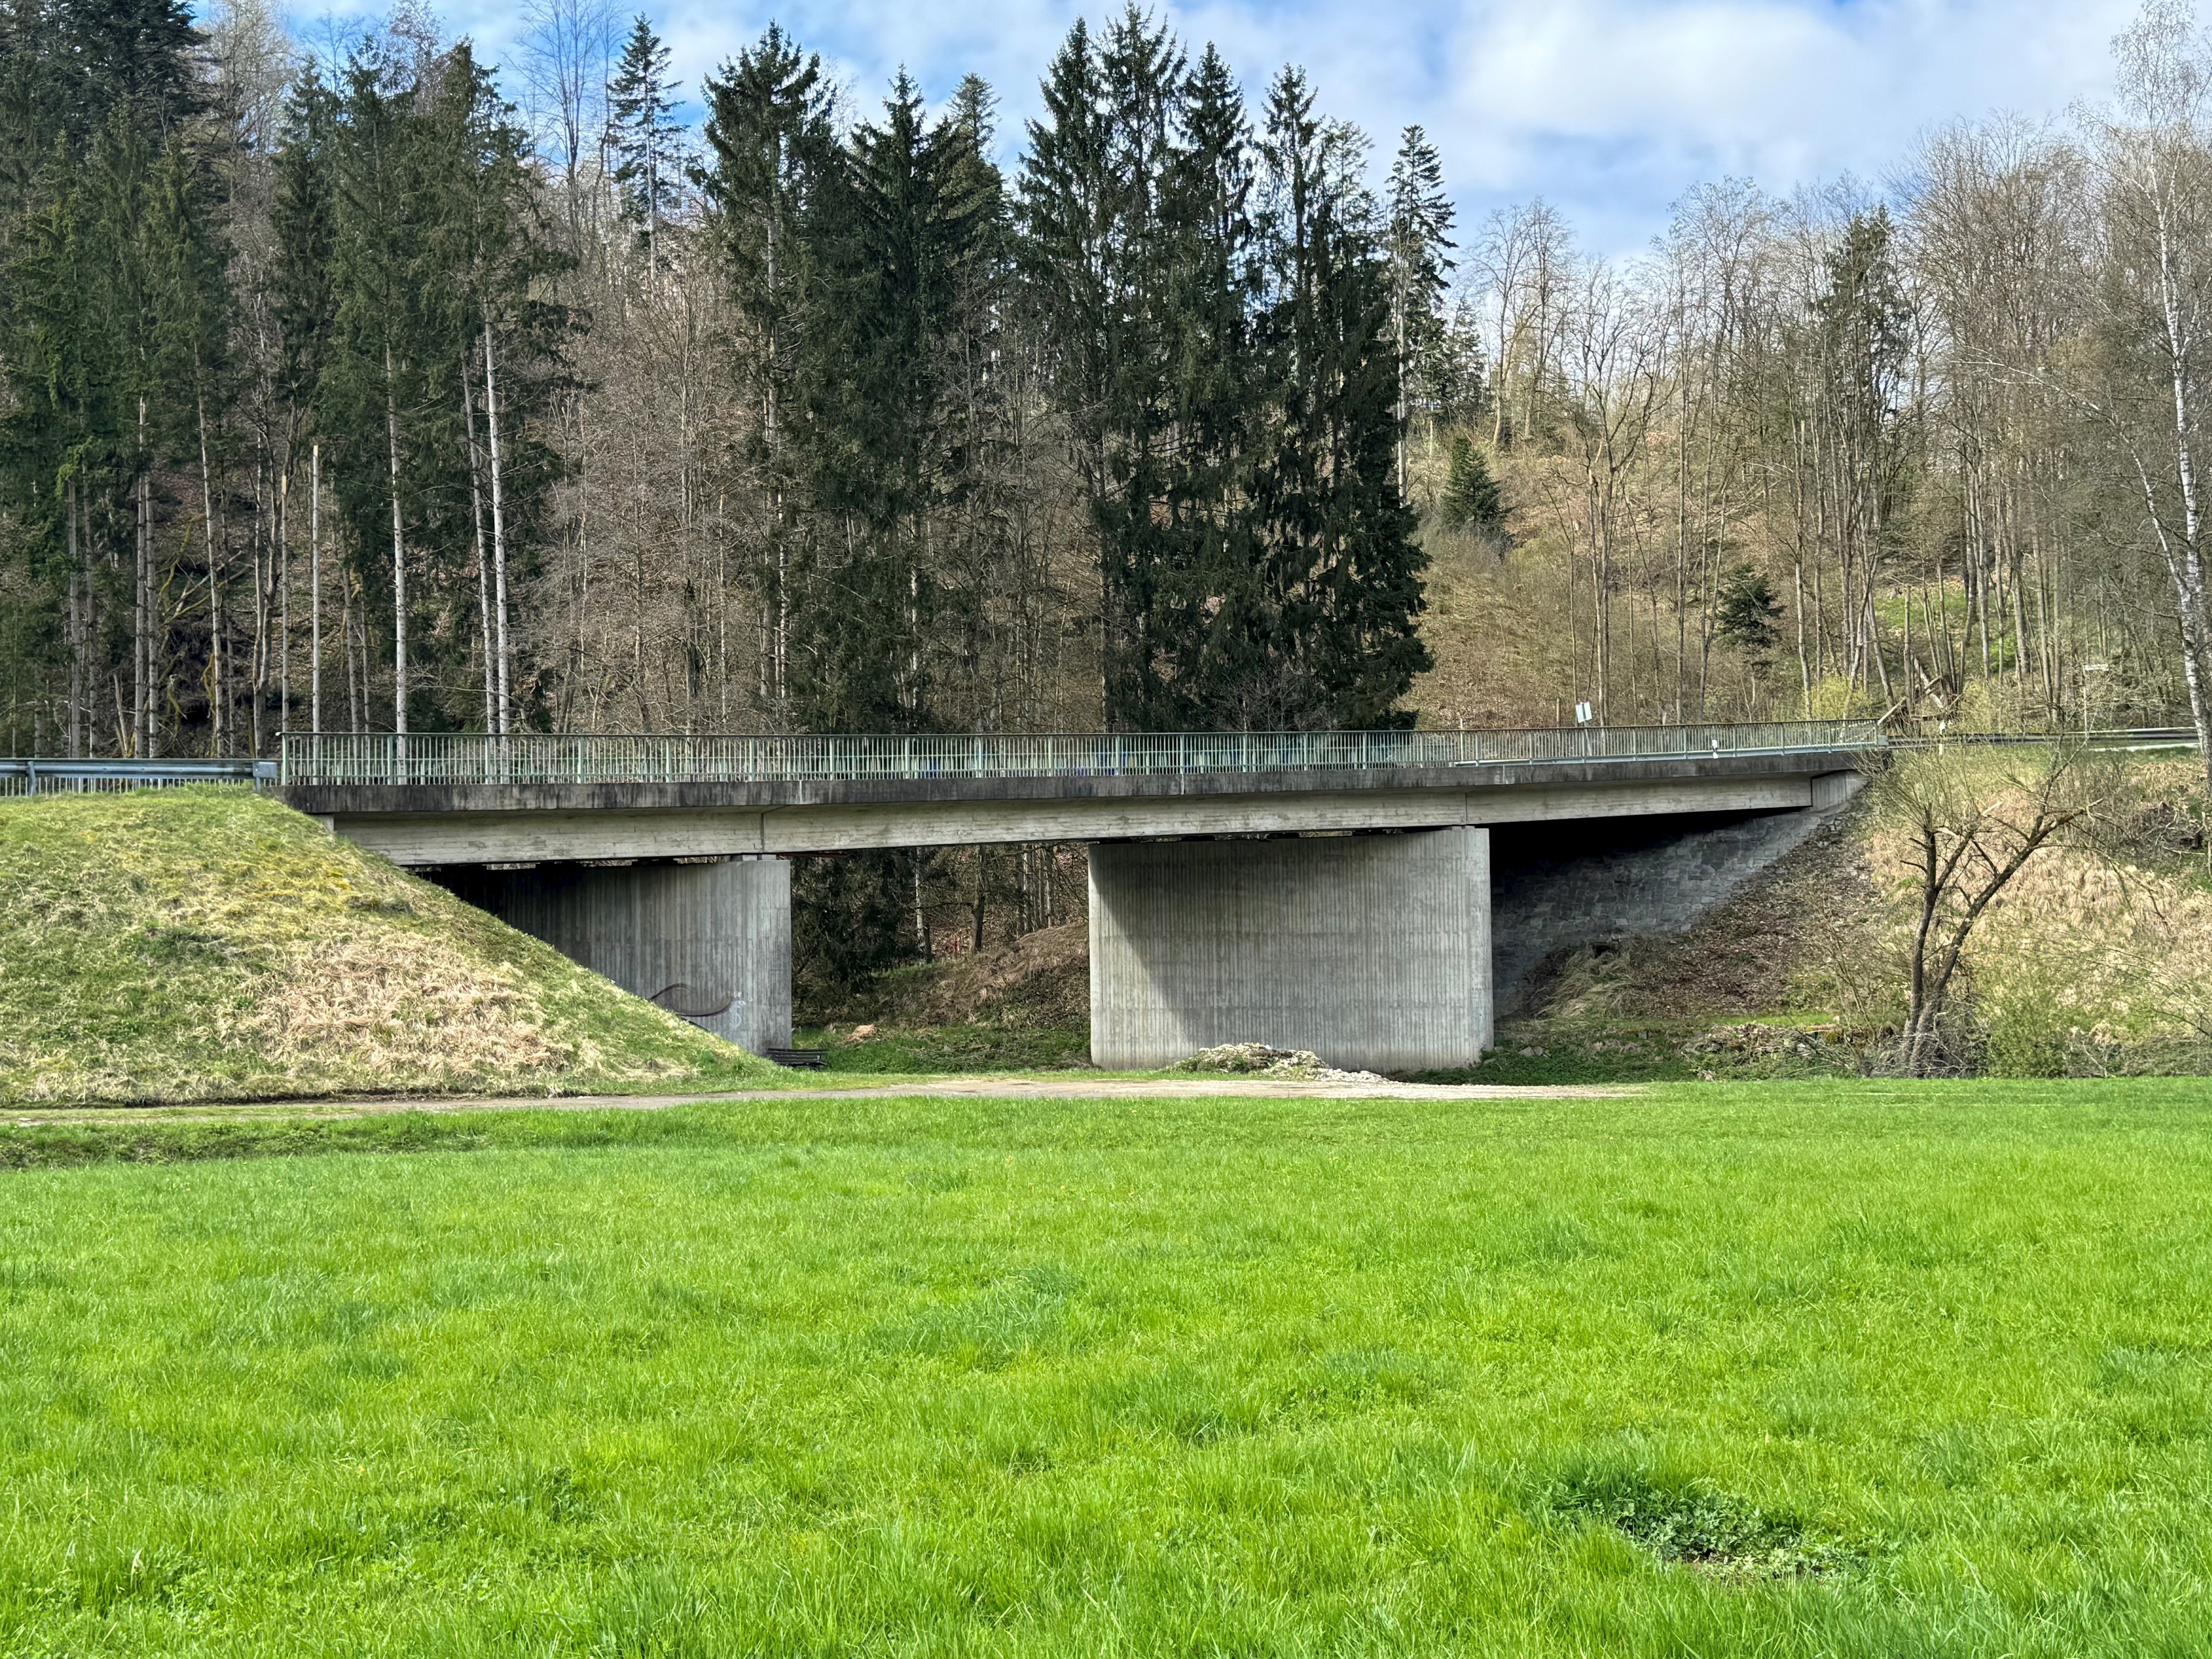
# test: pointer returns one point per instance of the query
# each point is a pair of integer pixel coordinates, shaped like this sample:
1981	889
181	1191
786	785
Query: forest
367	384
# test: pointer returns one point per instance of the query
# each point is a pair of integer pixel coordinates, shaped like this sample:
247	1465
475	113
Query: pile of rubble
1258	1059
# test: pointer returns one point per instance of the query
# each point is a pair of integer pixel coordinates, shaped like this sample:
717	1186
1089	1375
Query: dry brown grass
208	945
2098	956
406	1005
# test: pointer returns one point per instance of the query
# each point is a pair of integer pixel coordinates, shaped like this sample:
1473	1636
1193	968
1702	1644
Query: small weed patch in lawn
1691	1523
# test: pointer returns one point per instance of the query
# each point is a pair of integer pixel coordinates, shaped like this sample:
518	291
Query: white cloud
1610	108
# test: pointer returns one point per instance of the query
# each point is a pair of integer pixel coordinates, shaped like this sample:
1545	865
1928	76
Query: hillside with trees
376	386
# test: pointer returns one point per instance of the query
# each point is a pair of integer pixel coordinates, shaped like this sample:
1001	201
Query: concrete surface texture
711	942
1371	950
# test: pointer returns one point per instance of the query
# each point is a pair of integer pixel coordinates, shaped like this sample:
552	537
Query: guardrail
88	777
2140	737
536	757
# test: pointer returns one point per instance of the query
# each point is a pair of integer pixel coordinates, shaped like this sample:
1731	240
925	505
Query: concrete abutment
708	941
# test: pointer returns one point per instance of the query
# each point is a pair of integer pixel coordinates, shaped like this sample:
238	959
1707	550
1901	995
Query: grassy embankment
1815	1369
206	944
2095	961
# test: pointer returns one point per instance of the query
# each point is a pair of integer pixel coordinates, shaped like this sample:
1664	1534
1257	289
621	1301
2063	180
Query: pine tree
1341	569
1207	627
895	228
1471	500
56	443
1419	237
643	135
111	280
1748	616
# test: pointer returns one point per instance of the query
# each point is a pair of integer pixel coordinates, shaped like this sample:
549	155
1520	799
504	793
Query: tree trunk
74	745
215	590
399	563
2190	573
498	536
315	590
483	560
142	625
283	561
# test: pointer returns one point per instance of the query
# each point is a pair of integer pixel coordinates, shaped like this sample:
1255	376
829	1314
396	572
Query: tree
303	219
1472	499
1419	241
1970	834
1748	616
2150	346
565	55
767	130
644	137
1094	200
1342	570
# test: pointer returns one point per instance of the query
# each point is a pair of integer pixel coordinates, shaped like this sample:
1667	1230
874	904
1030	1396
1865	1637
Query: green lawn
1810	1369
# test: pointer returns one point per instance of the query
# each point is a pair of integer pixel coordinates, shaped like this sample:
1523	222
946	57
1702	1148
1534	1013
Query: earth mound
207	944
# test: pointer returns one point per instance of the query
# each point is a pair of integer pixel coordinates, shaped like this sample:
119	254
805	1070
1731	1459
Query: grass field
1778	1370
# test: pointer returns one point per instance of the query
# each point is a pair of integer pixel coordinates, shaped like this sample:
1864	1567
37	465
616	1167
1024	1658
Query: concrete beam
1371	950
489	836
711	942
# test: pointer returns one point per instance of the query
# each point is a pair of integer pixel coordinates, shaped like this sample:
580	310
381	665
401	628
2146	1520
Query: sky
1609	109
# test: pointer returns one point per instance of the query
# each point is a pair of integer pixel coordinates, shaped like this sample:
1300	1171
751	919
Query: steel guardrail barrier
2144	736
539	757
32	775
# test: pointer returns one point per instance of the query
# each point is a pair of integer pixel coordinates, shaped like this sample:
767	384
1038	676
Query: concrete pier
1371	950
711	942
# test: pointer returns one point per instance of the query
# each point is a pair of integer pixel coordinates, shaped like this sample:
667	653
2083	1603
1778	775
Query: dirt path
973	1088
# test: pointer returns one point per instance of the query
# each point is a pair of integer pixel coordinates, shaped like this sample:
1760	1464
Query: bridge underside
710	942
1384	945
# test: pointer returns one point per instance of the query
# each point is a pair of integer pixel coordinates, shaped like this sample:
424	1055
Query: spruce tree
1420	240
897	227
1207	626
1341	570
1471	498
770	151
643	135
1098	254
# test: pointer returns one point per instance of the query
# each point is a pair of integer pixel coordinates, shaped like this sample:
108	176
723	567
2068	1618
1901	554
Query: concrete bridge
1377	897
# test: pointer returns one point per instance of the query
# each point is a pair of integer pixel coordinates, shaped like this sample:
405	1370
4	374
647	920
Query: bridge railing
539	757
101	777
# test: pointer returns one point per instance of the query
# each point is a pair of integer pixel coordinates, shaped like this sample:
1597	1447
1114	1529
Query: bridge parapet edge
768	795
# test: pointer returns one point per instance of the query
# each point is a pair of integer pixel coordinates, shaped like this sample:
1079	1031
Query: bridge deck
538	799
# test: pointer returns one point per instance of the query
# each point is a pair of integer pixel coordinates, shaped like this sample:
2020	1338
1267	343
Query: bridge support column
1371	950
711	942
